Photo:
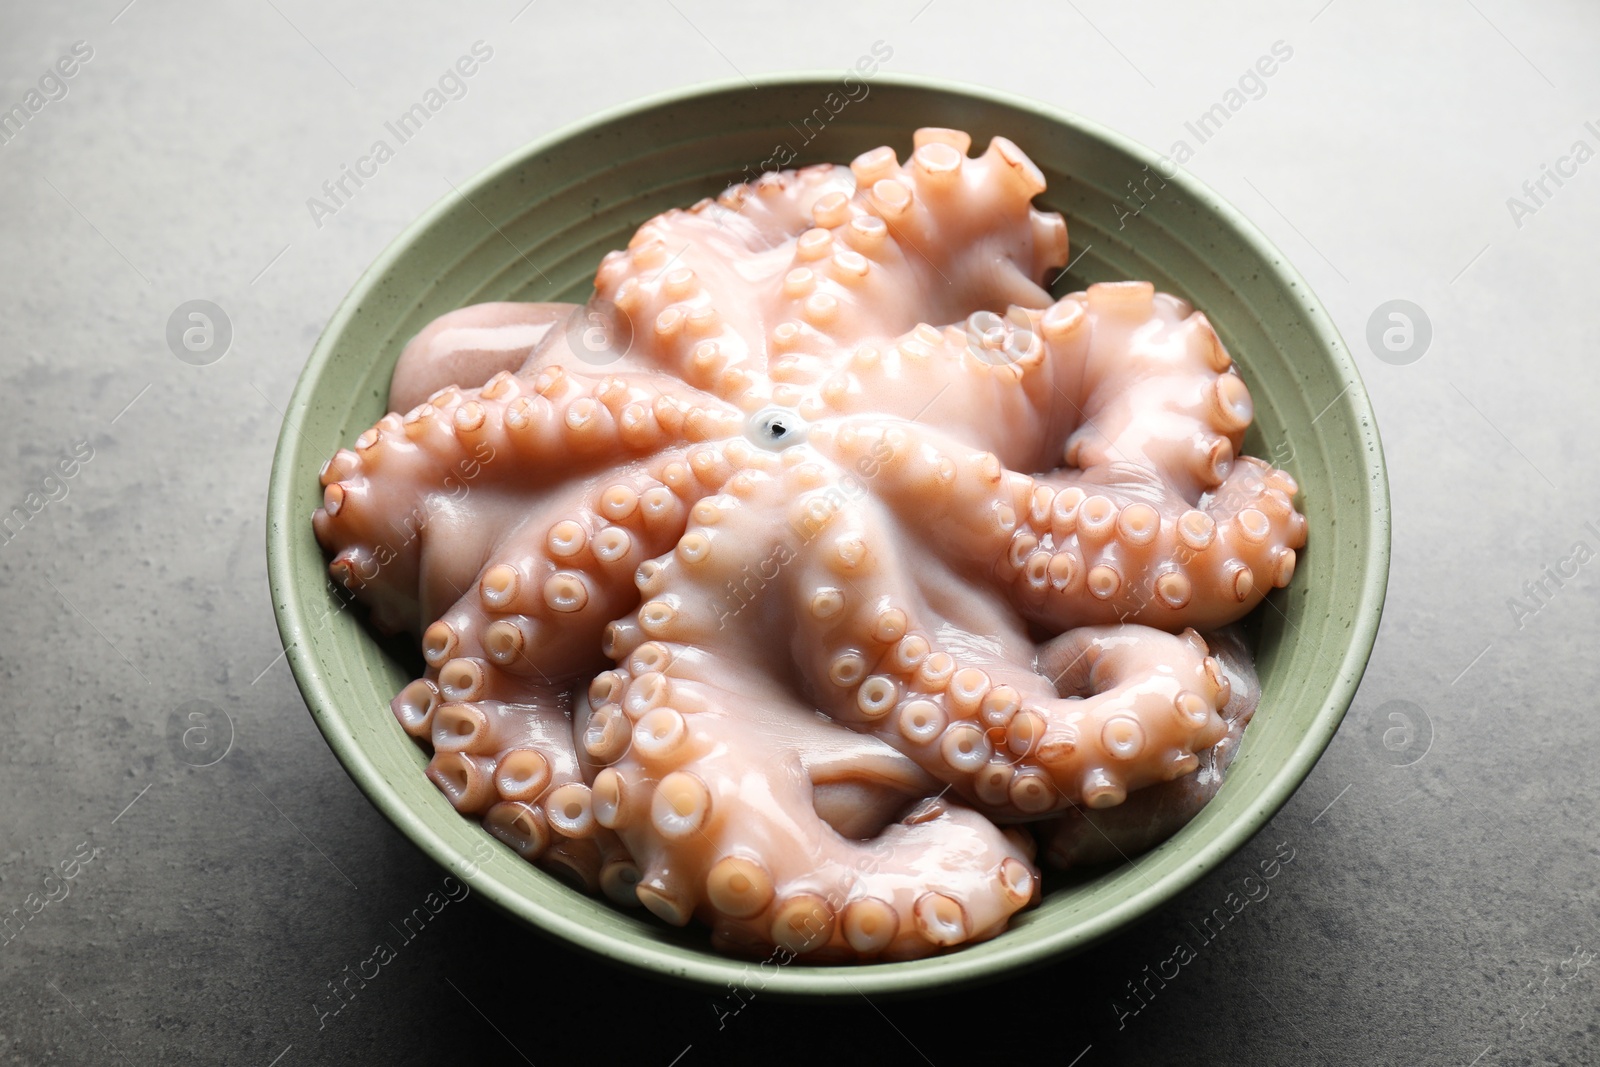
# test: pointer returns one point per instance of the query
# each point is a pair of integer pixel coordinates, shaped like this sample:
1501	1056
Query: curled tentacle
938	236
964	228
950	681
680	289
724	822
946	680
415	509
854	256
1100	553
1077	552
1082	836
1153	519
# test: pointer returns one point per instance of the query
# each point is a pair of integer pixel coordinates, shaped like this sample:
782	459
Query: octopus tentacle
1117	376
946	231
860	254
414	481
1106	554
681	744
747	850
943	680
975	238
502	661
1082	836
500	751
505	655
1157	388
683	281
778	204
514	766
1160	526
1073	551
963	500
874	653
546	593
468	346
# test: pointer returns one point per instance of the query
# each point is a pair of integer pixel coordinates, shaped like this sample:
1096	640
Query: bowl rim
940	972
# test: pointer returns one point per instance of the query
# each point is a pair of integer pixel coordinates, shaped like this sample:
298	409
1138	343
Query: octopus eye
776	428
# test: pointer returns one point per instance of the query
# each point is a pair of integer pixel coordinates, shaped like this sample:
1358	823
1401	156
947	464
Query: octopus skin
1091	836
854	565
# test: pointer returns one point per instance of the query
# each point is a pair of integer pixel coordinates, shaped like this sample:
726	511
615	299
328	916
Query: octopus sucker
867	577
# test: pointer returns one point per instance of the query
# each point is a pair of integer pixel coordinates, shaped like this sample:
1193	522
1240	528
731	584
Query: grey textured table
1440	903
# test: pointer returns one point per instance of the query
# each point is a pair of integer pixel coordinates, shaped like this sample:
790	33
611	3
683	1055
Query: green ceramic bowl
533	227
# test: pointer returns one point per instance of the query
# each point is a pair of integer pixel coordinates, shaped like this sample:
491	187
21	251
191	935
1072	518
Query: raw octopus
788	581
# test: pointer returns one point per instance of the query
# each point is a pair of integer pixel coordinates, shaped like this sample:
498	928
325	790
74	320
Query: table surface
1440	905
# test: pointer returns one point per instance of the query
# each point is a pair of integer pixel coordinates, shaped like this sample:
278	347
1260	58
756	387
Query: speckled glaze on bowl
533	227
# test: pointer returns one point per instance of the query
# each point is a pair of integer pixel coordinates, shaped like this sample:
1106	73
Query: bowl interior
534	226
